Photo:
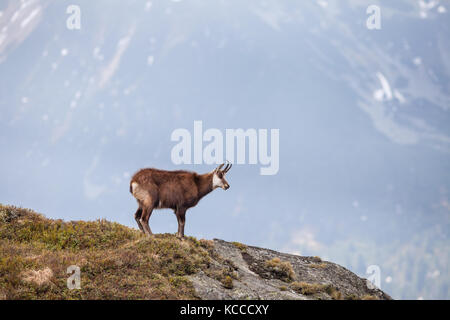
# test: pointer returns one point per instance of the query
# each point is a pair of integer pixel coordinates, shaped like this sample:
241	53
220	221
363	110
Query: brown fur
177	190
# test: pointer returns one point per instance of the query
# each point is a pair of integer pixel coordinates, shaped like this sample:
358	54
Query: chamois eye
220	175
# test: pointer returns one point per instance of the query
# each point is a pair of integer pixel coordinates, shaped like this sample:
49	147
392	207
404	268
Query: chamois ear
219	167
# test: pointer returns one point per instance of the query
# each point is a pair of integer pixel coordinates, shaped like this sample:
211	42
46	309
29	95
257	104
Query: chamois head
218	179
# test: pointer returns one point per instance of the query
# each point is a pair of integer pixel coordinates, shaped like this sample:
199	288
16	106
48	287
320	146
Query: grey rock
254	279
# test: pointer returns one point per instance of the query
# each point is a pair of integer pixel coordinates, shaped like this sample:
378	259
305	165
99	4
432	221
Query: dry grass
116	262
319	289
227	282
240	246
369	297
38	277
333	292
306	288
318	265
283	269
224	275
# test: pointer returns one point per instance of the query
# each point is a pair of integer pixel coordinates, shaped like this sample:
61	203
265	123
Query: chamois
177	190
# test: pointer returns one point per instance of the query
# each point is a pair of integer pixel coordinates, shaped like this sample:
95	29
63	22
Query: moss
283	269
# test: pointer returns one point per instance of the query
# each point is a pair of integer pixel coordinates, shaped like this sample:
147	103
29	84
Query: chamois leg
137	217
146	213
181	217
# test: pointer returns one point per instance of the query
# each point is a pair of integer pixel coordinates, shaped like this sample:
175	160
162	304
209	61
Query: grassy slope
116	262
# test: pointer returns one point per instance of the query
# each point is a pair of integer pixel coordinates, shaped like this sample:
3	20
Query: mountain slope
117	262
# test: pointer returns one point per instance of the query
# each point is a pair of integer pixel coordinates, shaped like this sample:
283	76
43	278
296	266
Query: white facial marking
216	181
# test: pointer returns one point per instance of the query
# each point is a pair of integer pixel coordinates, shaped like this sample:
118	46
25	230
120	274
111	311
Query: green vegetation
116	262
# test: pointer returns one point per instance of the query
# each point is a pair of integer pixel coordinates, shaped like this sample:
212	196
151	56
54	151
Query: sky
92	91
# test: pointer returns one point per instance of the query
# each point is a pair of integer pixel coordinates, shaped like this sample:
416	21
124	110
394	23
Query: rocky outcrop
244	272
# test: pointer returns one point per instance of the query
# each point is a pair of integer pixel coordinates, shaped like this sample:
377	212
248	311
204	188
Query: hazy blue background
364	177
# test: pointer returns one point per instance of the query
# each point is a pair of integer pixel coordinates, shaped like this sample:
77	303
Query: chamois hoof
180	237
